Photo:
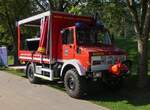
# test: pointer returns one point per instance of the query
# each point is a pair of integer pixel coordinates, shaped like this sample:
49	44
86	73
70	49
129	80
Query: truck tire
74	84
30	74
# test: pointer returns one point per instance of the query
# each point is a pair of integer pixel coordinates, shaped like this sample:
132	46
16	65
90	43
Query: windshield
92	37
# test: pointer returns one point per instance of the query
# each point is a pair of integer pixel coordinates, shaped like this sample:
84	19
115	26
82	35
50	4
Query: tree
140	11
10	12
56	5
113	14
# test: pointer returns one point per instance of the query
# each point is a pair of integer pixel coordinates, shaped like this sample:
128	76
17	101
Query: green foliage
114	14
10	12
75	10
10	60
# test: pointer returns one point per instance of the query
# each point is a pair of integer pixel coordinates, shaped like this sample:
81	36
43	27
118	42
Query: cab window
67	36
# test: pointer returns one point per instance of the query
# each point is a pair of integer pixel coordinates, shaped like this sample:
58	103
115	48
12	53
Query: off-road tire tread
80	82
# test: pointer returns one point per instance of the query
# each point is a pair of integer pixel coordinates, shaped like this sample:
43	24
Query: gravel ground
17	93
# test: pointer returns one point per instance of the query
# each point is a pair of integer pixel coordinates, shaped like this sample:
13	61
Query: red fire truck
76	49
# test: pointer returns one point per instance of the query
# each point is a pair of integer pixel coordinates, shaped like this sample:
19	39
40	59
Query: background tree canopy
114	14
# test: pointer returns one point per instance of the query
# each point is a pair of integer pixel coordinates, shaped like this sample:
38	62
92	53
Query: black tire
74	84
30	74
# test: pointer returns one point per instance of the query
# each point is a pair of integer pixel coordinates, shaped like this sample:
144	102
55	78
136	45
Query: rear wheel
74	84
30	74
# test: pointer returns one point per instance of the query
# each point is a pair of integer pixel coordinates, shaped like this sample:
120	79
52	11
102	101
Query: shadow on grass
129	93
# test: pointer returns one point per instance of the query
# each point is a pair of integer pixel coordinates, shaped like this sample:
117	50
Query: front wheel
75	85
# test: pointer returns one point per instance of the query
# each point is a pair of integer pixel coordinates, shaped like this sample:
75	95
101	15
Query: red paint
61	21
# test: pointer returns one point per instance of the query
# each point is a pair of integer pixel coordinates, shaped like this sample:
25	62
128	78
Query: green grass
128	98
10	60
13	71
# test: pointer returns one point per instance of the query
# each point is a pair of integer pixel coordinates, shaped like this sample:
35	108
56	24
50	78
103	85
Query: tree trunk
143	61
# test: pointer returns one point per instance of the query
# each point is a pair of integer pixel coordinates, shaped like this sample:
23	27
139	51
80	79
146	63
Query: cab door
68	43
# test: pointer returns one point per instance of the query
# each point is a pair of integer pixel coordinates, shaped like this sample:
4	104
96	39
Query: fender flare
74	63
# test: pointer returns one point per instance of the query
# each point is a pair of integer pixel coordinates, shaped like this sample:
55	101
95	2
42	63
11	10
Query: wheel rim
71	83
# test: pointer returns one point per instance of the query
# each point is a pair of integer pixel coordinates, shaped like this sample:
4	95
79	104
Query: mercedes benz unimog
75	49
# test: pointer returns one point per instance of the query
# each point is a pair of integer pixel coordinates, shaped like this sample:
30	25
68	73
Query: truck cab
91	46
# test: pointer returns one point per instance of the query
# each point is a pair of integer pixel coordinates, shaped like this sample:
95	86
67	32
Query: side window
70	37
67	37
64	36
